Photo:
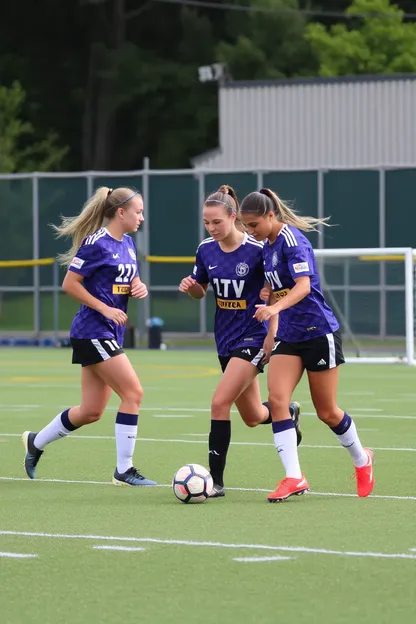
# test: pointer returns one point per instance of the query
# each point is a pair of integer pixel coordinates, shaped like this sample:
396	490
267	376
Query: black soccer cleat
295	414
131	477
33	454
218	491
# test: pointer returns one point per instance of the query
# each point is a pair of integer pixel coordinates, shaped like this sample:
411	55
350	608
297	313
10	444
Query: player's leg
285	371
118	373
322	358
254	412
323	386
95	396
238	374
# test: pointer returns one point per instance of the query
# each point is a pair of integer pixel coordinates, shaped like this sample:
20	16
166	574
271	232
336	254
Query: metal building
349	122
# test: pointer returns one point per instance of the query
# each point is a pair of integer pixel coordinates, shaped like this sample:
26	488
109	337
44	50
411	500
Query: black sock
269	419
219	441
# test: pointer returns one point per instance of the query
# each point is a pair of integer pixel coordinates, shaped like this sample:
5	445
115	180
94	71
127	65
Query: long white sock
126	432
347	435
58	428
285	441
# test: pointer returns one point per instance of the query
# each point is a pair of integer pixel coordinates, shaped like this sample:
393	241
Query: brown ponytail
264	201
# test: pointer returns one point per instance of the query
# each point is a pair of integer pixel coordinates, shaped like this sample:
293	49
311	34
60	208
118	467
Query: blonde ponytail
100	207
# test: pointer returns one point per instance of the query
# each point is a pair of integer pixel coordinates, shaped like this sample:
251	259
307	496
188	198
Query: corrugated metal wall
329	123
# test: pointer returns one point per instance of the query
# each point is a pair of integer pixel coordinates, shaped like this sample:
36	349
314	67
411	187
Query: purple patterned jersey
107	266
289	257
236	278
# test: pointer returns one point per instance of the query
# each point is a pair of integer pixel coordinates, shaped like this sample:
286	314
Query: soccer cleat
218	491
365	476
32	453
295	415
131	477
288	487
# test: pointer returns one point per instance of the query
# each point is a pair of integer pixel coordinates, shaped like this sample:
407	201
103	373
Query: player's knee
328	415
91	415
219	404
278	403
133	395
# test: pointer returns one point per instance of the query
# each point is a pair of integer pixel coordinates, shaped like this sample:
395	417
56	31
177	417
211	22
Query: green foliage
18	151
375	44
268	45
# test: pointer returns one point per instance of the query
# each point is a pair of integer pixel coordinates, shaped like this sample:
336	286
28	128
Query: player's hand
264	313
268	345
114	314
265	293
138	289
186	284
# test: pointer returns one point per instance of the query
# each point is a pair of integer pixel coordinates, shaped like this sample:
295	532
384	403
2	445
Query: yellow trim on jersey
119	289
279	294
232	304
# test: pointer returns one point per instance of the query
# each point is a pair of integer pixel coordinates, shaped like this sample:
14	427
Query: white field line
231	489
181	441
194	543
16	555
261	559
124	548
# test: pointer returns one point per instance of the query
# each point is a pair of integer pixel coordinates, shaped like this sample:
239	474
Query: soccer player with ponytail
232	262
102	275
308	337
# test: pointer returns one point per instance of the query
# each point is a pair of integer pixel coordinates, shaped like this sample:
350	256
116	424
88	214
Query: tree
18	151
381	43
268	45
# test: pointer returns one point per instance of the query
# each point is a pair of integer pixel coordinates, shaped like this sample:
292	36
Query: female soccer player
232	262
308	338
102	274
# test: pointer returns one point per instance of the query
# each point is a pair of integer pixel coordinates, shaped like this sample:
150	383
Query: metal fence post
56	294
382	243
320	200
36	269
144	310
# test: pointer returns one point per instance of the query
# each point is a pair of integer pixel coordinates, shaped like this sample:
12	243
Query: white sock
350	440
125	443
286	445
54	431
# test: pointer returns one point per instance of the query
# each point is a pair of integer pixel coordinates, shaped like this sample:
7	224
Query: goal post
372	292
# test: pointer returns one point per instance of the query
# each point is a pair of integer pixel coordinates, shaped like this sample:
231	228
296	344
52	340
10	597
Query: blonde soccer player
102	275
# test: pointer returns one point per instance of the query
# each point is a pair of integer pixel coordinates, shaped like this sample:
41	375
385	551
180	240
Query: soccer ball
192	483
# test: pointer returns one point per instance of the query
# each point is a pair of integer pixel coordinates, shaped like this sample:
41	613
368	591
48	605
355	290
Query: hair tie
109	192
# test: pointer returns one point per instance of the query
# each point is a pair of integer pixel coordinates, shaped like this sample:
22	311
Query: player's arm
190	286
196	285
72	285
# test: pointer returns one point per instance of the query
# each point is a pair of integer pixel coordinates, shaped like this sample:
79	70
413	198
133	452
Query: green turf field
125	555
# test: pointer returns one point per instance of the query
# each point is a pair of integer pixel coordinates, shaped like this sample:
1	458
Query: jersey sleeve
200	273
88	258
299	259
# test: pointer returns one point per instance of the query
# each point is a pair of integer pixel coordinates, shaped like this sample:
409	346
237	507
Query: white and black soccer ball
192	483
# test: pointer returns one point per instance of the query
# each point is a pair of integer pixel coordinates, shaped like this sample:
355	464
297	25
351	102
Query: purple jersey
107	266
289	257
236	278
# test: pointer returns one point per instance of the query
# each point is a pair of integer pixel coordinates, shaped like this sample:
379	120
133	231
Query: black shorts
254	355
88	352
318	354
